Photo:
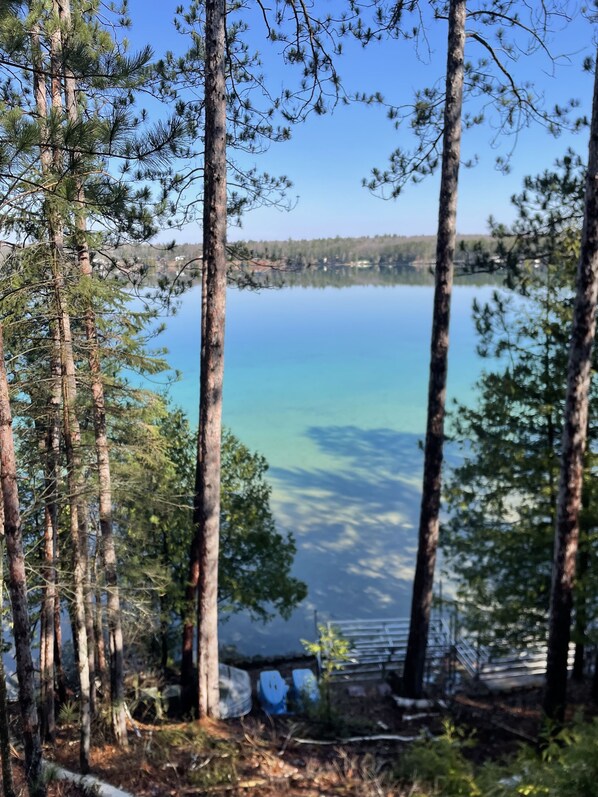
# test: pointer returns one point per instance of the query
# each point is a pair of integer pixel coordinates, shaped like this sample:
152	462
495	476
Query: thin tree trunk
101	437
63	8
58	667
189	695
56	244
212	359
581	611
48	715
413	674
8	784
52	453
18	591
72	445
102	664
51	444
574	440
7	776
72	432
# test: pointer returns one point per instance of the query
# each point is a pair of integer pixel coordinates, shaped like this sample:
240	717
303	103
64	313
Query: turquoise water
331	386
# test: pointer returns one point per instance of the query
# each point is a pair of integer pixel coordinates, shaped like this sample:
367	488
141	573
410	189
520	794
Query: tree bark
413	674
55	242
212	358
18	591
52	454
72	445
58	668
581	611
188	683
189	696
574	441
7	775
51	443
71	429
119	726
102	669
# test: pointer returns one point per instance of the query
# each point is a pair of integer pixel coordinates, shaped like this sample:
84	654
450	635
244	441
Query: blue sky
328	156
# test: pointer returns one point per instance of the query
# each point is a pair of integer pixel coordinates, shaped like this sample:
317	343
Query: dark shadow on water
355	524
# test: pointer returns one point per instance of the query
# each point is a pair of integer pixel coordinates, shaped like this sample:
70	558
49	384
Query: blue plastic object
272	692
305	688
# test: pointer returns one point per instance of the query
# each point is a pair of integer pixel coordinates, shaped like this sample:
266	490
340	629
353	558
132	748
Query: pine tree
437	116
18	589
574	439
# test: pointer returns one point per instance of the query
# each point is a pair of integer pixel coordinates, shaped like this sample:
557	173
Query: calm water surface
331	385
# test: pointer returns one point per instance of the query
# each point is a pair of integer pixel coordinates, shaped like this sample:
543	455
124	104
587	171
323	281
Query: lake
331	386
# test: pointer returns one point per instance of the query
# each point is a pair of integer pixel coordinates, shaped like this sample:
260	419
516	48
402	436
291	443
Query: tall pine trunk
58	666
574	440
72	446
100	428
67	81
188	683
52	453
17	583
51	158
51	444
413	675
212	358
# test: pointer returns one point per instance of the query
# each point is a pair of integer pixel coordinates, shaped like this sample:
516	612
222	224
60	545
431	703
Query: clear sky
328	156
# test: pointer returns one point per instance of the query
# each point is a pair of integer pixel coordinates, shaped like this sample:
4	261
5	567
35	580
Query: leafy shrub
438	767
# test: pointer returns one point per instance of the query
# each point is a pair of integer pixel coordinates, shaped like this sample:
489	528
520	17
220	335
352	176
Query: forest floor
297	756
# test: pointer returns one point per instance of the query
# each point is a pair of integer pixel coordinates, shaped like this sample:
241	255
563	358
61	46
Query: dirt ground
55	788
266	756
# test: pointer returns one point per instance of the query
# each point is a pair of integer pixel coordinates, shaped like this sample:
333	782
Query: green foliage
155	512
69	713
332	650
110	150
437	767
568	766
502	497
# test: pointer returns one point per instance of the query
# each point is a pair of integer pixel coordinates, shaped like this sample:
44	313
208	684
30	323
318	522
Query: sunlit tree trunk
58	668
100	427
51	444
212	359
188	683
49	597
51	158
102	668
574	440
17	583
413	674
72	446
55	243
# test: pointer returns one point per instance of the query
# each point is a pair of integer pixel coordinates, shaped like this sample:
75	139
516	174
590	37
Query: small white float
235	692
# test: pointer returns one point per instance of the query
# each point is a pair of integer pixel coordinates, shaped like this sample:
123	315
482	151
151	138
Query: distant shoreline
383	259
